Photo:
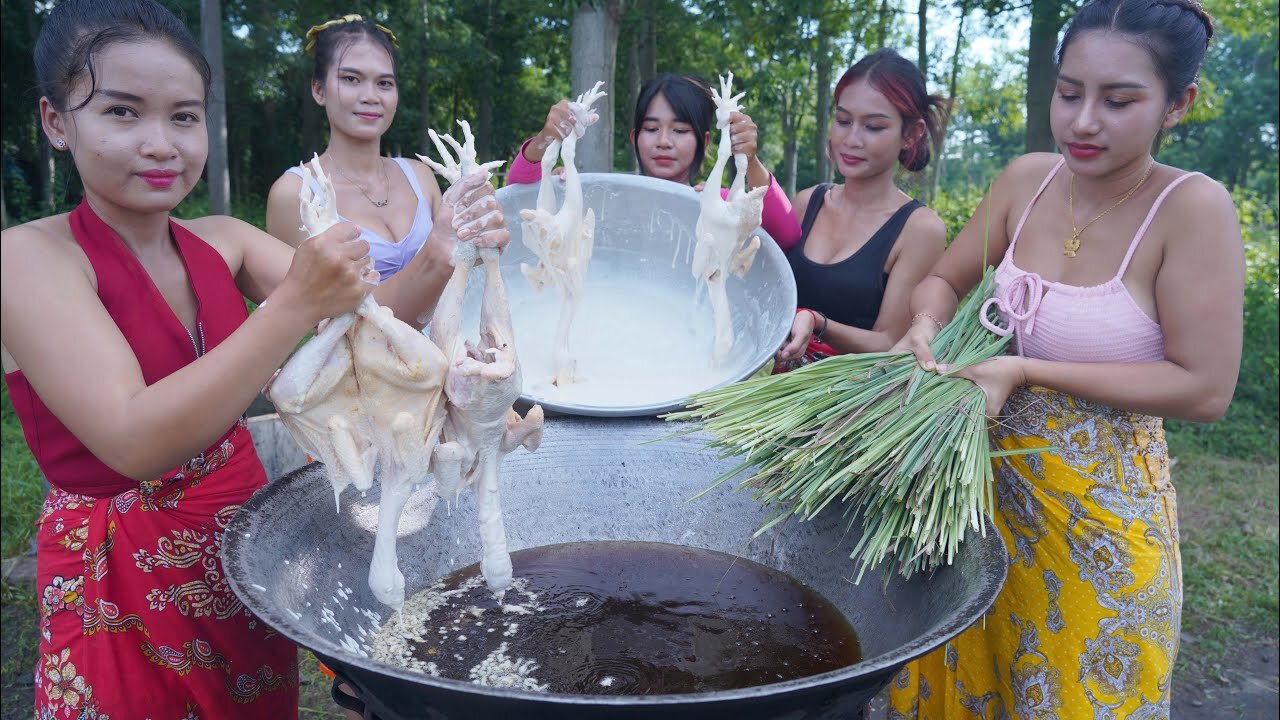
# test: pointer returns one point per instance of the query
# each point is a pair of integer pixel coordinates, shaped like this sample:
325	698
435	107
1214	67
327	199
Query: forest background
502	63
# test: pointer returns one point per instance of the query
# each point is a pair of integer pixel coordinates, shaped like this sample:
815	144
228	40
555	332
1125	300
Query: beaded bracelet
927	315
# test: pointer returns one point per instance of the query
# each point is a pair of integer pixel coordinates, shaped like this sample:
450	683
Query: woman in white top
395	201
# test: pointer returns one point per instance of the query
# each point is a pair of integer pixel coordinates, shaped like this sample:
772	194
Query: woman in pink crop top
130	360
395	201
1122	282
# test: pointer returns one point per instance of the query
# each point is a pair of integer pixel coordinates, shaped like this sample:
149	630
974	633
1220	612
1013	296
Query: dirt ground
1245	690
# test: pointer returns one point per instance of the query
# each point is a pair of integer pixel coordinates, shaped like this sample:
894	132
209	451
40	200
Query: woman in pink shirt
1122	281
673	119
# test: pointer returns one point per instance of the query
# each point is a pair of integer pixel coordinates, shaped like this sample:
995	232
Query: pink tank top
1070	323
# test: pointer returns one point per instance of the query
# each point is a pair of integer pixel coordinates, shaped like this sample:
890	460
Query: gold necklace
385	183
1072	244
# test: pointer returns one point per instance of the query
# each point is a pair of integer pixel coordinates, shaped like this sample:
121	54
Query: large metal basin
592	479
643	335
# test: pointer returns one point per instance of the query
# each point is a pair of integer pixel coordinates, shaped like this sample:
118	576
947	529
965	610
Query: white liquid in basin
638	339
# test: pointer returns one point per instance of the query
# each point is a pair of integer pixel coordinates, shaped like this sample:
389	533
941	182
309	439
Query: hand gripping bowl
302	569
643	334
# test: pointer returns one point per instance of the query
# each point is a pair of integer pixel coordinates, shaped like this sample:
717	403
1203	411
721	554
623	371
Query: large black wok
591	480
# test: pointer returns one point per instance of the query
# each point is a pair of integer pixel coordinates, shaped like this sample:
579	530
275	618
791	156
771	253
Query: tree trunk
789	146
424	88
211	41
648	42
922	38
312	133
642	63
484	93
634	84
1042	70
883	25
822	163
593	48
938	160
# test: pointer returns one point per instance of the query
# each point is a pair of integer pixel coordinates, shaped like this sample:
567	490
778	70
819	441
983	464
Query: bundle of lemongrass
902	449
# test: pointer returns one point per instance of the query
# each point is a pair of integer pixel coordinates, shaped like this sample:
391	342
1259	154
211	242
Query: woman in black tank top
864	243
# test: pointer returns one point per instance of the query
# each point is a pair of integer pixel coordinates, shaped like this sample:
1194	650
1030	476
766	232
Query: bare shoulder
28	247
1013	189
925	226
801	202
1025	173
426	179
287	185
1032	166
1200	212
226	234
219	228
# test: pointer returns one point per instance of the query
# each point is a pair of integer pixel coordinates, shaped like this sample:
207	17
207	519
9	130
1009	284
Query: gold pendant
1071	245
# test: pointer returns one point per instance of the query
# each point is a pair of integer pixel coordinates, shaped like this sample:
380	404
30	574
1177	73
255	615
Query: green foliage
21	490
251	209
956	205
1237	144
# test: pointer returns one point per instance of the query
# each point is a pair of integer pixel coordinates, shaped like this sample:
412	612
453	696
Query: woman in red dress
130	361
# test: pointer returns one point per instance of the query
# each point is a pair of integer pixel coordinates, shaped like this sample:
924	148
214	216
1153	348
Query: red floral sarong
137	619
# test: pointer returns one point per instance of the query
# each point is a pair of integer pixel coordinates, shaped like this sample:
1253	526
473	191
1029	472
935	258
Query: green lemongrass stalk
903	450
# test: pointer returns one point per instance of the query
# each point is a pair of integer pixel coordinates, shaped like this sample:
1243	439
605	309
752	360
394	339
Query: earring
60	143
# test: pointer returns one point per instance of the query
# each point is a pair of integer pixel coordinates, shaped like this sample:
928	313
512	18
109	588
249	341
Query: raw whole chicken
482	384
562	239
391	380
724	224
315	392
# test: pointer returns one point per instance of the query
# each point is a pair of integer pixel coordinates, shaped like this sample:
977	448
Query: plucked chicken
562	239
316	393
390	380
401	375
724	224
482	384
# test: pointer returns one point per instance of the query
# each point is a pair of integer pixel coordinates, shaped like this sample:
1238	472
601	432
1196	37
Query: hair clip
315	31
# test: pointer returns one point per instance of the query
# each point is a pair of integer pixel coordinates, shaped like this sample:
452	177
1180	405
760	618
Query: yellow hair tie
315	31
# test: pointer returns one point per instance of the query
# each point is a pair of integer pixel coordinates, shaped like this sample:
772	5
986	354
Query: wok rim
235	547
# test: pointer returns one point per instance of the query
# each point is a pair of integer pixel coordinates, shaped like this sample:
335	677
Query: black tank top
848	291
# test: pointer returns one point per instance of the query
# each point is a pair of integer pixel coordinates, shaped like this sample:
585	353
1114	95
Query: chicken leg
401	377
482	384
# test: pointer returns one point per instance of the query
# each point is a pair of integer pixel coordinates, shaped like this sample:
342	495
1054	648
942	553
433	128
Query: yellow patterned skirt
1087	623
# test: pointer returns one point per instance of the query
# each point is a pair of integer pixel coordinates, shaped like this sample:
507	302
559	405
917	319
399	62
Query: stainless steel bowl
644	238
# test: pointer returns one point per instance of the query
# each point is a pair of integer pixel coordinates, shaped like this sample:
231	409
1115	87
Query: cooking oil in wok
627	618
